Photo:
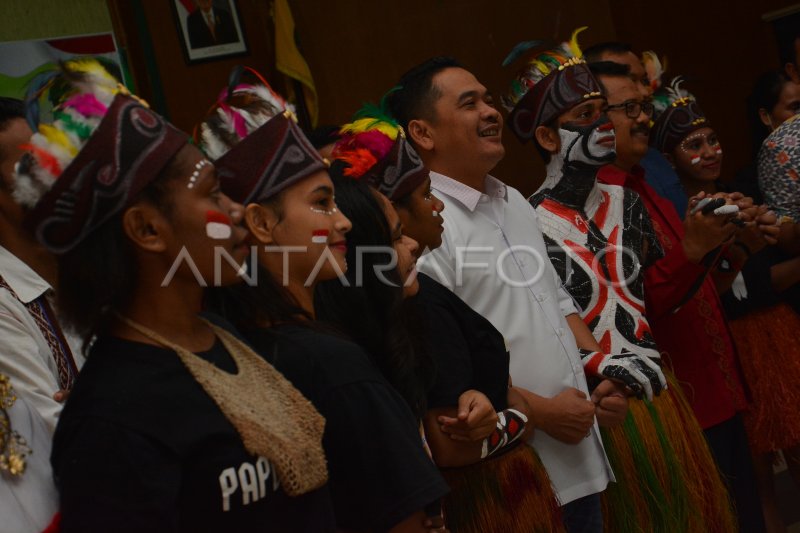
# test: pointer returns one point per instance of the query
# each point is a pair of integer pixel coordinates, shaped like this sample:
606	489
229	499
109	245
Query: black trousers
728	443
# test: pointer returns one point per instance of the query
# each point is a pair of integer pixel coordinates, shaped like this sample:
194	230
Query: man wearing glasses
600	238
681	301
658	171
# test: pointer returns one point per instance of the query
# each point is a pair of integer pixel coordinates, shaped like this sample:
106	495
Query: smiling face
699	156
305	215
586	135
466	131
421	215
203	221
632	134
405	247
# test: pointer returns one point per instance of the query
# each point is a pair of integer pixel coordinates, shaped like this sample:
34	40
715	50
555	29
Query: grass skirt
667	480
768	348
510	493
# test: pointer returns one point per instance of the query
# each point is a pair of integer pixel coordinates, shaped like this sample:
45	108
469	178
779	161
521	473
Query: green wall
40	19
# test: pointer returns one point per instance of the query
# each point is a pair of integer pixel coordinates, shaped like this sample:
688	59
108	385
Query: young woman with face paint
170	426
762	326
469	354
380	476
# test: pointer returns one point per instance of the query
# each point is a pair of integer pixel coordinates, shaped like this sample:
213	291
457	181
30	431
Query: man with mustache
682	303
493	256
658	172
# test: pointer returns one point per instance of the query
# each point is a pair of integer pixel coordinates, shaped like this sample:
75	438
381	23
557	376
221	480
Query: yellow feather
573	42
58	137
95	71
366	124
542	67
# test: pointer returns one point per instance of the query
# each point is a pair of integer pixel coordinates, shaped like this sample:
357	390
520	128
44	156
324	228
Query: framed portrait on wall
208	29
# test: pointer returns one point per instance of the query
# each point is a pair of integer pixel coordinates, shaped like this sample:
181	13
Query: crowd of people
360	329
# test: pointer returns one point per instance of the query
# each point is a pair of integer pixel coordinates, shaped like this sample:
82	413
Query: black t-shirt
469	351
141	447
379	471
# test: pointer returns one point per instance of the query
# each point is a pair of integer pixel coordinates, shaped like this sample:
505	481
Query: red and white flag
319	236
218	225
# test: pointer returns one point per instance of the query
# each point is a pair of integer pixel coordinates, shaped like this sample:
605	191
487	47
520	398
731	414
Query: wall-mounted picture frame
209	29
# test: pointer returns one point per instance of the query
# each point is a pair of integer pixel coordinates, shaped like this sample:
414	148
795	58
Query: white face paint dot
696	160
329	212
196	174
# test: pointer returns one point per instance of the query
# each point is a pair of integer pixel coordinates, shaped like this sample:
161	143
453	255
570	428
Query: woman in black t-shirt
169	426
467	351
380	476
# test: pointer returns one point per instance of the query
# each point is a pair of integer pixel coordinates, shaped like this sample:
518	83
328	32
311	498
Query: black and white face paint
584	149
593	145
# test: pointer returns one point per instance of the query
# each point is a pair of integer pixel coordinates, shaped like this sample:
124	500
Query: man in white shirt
493	256
41	361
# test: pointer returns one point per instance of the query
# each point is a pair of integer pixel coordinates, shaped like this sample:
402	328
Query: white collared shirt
493	256
25	355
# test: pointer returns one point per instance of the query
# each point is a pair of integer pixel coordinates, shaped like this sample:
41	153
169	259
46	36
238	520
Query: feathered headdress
670	95
101	149
655	68
240	109
80	91
551	82
373	147
677	115
252	135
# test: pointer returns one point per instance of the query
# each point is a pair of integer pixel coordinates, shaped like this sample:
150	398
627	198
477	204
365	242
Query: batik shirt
598	251
779	169
689	327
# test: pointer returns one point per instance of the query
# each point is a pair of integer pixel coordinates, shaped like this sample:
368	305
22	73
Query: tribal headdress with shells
373	147
101	149
551	82
251	132
680	116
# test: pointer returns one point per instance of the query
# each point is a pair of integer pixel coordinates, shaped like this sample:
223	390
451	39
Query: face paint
435	213
196	174
580	144
319	236
696	160
218	225
719	151
329	212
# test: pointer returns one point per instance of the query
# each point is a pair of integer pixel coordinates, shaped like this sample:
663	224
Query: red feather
360	161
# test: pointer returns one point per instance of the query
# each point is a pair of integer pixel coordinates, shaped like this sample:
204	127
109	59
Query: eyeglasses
633	108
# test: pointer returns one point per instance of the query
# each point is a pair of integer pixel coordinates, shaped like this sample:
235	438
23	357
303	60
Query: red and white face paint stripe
218	225
319	236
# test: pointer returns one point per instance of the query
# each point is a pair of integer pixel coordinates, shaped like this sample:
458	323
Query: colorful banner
21	61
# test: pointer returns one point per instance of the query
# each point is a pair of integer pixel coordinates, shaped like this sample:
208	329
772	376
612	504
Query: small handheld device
713	205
